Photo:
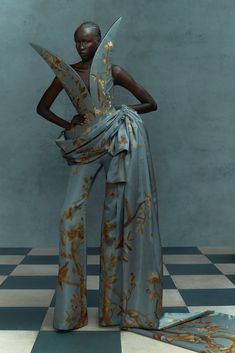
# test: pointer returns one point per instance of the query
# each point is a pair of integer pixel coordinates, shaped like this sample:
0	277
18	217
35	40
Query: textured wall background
183	53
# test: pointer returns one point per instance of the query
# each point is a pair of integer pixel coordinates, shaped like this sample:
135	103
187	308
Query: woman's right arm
46	101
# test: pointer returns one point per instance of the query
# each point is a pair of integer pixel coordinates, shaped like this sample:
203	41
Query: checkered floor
194	279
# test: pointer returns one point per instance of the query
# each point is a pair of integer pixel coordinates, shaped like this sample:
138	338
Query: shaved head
91	25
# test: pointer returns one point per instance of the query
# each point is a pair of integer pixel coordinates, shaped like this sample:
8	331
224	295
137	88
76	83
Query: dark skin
86	43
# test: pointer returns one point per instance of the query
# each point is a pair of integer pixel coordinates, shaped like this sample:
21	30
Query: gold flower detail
111	194
62	275
154	277
68	213
123	140
76	233
109	46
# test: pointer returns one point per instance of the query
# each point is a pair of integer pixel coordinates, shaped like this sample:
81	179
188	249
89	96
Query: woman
130	257
112	131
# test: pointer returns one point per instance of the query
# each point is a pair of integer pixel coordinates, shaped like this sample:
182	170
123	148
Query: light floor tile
26	297
11	259
202	281
93	259
217	250
165	271
135	343
35	270
44	251
227	269
93	282
2	279
172	297
93	322
185	259
47	324
17	341
230	310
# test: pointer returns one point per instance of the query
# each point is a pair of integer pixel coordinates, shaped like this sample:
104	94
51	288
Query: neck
87	63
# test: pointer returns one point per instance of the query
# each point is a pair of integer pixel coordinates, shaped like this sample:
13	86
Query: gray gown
131	279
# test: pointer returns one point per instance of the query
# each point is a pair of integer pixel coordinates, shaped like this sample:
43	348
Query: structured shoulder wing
69	78
101	69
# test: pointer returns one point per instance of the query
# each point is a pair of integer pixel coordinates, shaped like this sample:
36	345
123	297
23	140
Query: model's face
86	42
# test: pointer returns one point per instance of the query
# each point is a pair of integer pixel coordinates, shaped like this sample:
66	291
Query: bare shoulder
117	71
121	77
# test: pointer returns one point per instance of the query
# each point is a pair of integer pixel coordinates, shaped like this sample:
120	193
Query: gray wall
183	53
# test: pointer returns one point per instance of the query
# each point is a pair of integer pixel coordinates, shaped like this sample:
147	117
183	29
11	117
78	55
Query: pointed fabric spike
69	78
101	74
169	320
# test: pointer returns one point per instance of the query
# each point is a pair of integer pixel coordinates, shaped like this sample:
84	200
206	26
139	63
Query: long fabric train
131	260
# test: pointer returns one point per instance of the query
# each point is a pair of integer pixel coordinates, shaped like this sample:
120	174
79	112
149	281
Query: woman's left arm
122	78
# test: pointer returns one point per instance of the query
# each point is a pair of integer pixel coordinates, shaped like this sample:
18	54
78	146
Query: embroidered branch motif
207	337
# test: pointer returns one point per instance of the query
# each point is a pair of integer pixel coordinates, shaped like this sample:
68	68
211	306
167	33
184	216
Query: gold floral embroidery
72	239
108	46
123	140
208	336
106	231
77	232
153	294
142	213
62	274
69	212
86	187
154	277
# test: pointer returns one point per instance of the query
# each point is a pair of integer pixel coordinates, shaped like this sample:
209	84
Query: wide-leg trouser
71	301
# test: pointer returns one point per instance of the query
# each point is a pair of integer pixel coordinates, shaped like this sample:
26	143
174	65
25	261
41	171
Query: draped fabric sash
117	134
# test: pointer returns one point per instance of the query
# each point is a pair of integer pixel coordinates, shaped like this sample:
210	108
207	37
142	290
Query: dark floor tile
78	342
93	251
23	318
6	269
168	283
29	282
210	297
46	260
193	269
93	270
176	309
14	251
232	279
219	259
180	250
93	298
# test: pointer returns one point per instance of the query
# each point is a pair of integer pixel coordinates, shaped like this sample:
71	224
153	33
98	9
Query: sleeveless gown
131	261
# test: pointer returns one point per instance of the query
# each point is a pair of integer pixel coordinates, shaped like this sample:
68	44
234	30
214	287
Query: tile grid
194	279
